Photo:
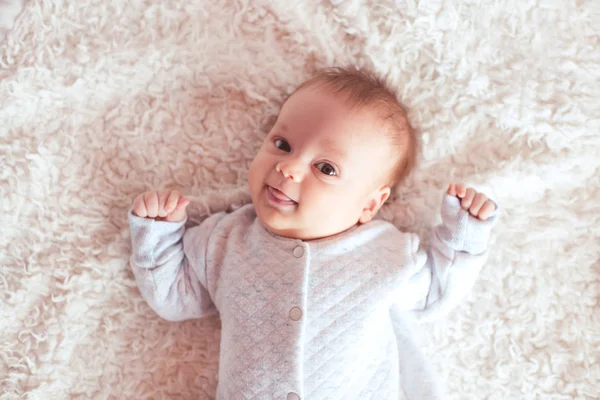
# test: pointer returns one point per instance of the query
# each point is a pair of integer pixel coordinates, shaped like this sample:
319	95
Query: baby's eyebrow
331	148
282	127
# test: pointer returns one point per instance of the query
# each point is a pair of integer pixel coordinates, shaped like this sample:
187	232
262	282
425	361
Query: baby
314	296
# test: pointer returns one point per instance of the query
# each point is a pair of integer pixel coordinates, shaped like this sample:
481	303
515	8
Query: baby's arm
446	272
167	260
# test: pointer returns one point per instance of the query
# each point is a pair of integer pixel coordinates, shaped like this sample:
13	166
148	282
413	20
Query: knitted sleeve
168	262
448	269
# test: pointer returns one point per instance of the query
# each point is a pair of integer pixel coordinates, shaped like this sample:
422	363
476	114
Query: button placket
296	314
298	252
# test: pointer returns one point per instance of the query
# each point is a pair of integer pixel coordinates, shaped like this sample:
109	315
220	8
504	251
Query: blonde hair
364	90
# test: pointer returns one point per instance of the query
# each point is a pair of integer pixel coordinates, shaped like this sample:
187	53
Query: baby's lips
279	194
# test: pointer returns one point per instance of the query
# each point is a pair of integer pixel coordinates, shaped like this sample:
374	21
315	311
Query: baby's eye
326	168
283	145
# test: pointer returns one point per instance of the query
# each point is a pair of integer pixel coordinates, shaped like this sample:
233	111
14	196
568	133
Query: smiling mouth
278	198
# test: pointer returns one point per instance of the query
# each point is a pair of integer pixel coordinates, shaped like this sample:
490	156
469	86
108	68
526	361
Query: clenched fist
477	204
166	205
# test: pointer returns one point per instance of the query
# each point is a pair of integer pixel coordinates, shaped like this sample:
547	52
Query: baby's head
340	144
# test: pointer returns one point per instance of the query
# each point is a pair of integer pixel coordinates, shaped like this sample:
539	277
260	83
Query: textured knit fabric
323	319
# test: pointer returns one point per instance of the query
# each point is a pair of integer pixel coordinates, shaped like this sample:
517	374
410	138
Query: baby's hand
477	204
166	205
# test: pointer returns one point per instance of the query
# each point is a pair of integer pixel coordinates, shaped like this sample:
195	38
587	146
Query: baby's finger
172	201
452	190
461	191
139	208
151	201
468	199
162	200
178	214
478	202
487	210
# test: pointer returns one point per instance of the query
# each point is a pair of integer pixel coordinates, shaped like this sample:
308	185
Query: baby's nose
291	169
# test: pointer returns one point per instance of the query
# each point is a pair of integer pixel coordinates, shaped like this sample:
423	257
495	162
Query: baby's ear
374	203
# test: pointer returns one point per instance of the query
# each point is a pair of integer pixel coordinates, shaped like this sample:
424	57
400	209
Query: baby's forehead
364	93
337	114
370	137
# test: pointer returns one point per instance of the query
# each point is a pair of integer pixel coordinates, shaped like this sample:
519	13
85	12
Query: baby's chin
289	226
286	223
278	222
293	222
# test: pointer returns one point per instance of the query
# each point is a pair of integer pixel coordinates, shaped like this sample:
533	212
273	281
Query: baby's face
322	169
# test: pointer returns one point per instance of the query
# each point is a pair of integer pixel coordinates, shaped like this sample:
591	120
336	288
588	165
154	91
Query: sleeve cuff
461	231
166	226
146	235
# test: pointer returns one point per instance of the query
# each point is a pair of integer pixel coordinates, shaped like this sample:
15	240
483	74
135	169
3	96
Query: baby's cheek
254	178
257	166
329	204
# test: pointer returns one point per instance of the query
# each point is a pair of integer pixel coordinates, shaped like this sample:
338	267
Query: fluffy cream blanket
100	100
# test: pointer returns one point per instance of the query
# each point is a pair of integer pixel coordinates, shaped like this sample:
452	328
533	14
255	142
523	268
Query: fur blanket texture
103	99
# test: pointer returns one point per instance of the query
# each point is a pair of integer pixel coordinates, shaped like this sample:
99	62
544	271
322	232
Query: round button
298	252
296	313
293	396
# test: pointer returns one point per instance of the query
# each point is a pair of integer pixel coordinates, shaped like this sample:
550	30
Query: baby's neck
295	235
